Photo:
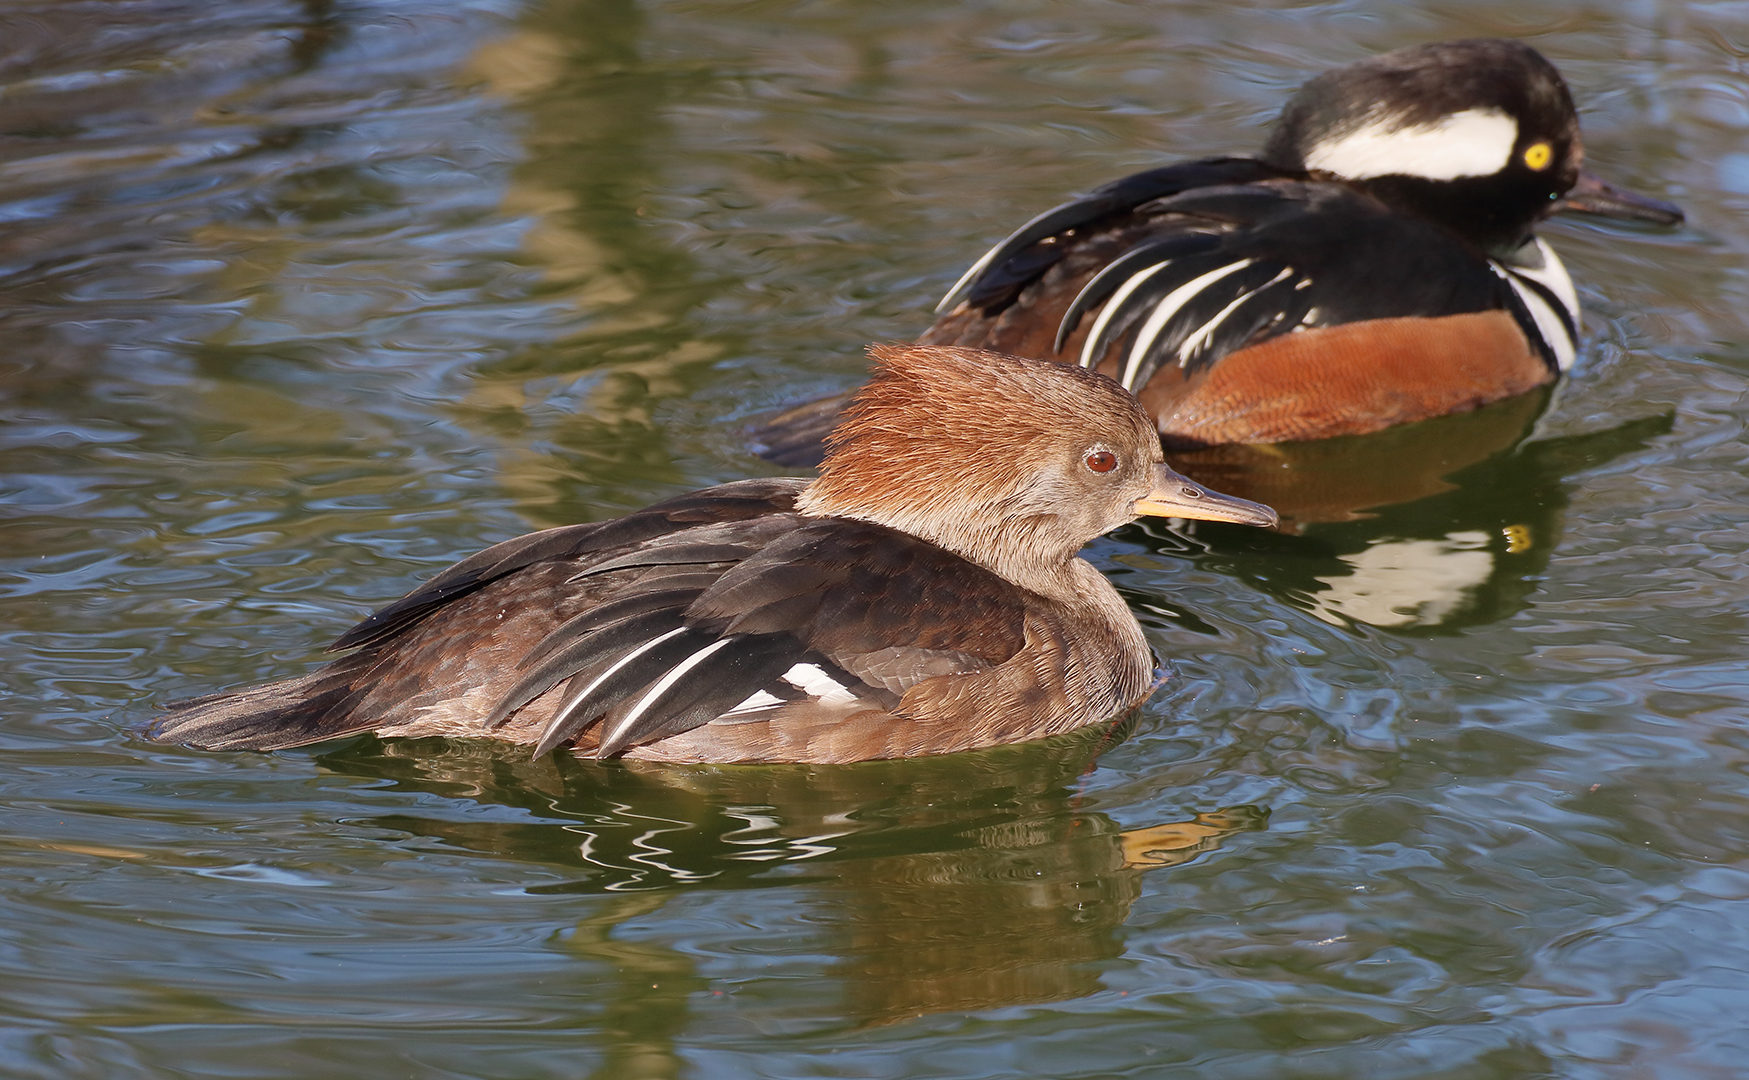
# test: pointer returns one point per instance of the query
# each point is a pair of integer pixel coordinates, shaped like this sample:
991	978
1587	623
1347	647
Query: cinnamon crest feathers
923	595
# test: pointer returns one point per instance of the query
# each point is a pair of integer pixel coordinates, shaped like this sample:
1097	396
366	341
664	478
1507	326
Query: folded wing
1217	256
835	613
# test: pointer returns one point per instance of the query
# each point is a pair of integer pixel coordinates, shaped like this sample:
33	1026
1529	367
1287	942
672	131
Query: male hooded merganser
1374	265
922	595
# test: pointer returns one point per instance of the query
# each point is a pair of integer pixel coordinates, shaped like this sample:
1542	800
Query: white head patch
1475	142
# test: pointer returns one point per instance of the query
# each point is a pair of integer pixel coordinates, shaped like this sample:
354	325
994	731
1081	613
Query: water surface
299	302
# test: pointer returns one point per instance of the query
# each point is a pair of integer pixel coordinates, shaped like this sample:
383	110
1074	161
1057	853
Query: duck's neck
1032	552
1484	211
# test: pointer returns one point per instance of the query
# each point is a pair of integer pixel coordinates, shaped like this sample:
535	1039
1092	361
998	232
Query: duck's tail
272	716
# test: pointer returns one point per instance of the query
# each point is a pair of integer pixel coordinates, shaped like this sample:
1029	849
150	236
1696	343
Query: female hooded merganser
923	595
1374	265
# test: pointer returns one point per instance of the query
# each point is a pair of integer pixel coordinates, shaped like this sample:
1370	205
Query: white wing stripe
1193	343
1088	360
604	676
1163	312
966	278
675	674
809	679
758	702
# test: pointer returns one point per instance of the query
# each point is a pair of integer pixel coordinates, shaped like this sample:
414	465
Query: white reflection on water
1407	582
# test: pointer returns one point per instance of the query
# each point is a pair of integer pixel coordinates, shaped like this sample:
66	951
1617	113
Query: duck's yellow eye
1537	157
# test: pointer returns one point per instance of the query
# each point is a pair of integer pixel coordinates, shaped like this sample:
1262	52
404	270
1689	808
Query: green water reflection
957	885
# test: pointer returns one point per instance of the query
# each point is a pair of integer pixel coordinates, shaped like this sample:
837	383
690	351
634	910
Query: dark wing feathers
724	503
700	545
464	577
680	590
1277	305
1008	267
717	677
589	694
844	594
1176	312
1290	254
1126	267
705	604
1313	254
849	587
648	608
582	655
1243	205
272	716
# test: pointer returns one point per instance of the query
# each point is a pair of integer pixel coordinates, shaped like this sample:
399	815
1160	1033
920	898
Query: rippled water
301	301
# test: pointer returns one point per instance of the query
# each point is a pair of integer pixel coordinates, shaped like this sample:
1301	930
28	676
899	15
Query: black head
1477	135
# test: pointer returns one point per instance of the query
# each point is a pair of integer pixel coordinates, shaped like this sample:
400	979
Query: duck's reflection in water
1022	915
965	882
1430	526
1348	479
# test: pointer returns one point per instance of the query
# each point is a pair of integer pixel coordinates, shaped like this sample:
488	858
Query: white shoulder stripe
675	674
1548	324
1551	275
1163	312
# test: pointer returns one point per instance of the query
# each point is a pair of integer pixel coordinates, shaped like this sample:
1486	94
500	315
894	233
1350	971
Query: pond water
300	301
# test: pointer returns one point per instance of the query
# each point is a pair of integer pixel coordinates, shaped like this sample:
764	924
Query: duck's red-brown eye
1102	461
